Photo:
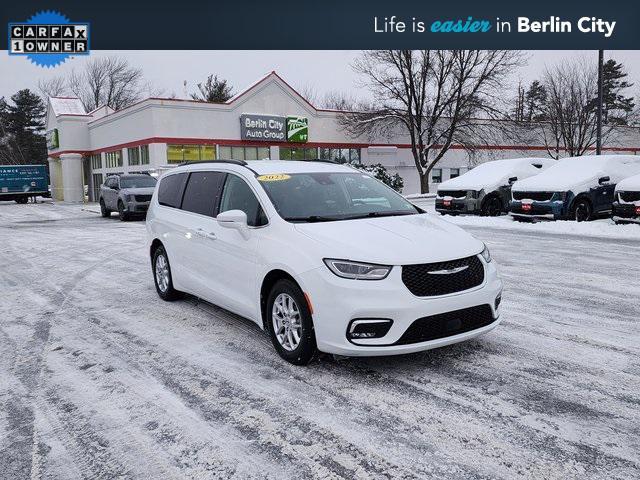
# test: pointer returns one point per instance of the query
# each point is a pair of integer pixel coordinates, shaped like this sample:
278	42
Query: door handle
210	235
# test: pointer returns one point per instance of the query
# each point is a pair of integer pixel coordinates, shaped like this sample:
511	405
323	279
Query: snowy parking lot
99	378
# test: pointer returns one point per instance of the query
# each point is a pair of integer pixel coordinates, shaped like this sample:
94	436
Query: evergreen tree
213	90
616	108
534	100
22	139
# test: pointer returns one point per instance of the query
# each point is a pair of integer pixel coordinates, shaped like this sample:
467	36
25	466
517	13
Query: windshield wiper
381	214
312	219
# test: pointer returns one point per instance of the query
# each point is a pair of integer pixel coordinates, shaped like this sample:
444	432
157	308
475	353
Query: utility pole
599	117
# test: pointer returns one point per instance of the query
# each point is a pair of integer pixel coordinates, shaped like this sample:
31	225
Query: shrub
379	171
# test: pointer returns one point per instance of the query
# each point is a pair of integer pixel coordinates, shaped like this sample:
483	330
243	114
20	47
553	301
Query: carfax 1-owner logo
48	38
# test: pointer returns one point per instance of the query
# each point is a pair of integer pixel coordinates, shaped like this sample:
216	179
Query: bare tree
52	87
438	97
569	110
107	81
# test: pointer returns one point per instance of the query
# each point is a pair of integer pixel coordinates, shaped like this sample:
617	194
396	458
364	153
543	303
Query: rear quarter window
170	190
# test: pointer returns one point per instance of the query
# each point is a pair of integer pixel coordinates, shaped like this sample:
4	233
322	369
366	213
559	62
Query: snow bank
599	228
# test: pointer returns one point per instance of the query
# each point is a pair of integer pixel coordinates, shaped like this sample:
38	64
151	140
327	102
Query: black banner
346	24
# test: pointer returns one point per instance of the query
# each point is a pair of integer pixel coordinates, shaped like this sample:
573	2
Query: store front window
436	175
243	153
294	153
341	155
190	153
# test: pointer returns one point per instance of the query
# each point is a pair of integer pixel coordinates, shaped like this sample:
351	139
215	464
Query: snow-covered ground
601	228
101	379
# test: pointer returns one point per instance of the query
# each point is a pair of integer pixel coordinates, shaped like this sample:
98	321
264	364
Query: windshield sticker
274	177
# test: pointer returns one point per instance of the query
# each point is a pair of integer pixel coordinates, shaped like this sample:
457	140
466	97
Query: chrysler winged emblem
449	271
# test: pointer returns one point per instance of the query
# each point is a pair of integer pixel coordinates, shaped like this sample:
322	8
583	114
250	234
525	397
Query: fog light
361	328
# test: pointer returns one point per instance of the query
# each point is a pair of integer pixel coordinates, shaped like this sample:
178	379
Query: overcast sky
322	71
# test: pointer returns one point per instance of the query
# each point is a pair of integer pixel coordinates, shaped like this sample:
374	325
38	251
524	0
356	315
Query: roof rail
323	160
235	162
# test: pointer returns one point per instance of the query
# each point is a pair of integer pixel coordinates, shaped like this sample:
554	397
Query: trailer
21	182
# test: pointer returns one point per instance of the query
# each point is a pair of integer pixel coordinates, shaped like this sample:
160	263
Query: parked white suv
322	256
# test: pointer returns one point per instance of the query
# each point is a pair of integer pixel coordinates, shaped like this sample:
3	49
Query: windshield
137	182
317	197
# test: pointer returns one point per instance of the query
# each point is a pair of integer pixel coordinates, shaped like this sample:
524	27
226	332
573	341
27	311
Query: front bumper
550	210
337	301
625	212
134	207
457	205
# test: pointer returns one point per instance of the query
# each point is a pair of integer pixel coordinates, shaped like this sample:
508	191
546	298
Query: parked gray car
129	195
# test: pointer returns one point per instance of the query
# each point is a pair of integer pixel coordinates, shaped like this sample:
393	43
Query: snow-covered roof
66	106
574	171
491	175
631	184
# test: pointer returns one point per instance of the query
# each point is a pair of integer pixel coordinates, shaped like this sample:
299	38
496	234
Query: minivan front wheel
290	324
582	210
162	275
124	216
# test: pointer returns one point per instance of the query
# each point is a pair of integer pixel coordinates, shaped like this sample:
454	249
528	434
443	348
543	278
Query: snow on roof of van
491	175
67	106
573	171
266	167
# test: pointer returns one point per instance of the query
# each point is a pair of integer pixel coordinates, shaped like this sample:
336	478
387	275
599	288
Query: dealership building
269	119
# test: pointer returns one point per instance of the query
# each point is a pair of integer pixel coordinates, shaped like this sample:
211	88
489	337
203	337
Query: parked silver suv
129	195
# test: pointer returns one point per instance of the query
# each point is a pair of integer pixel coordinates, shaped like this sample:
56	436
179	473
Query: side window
202	192
170	190
237	195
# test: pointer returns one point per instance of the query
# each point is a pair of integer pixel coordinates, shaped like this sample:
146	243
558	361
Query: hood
138	191
398	240
630	184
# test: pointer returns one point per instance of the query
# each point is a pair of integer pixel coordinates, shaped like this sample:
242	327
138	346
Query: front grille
534	210
422	282
537	196
630	196
143	198
452	193
447	324
624	211
452	206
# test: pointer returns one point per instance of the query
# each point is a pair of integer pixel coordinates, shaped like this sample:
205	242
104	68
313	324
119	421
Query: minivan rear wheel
162	275
290	323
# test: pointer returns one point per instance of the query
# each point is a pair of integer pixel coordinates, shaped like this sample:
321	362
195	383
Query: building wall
158	122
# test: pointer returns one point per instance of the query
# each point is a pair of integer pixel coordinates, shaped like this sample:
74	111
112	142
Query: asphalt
101	379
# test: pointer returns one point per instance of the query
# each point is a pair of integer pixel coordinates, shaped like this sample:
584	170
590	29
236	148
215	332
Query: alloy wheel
287	321
162	273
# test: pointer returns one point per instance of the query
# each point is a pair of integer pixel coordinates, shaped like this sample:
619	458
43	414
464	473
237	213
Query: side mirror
513	180
603	180
232	219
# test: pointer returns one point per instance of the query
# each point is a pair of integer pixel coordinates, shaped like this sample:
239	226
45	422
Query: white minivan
322	256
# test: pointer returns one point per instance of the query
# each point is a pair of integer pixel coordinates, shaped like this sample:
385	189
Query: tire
582	211
104	211
22	200
287	296
162	277
492	207
122	215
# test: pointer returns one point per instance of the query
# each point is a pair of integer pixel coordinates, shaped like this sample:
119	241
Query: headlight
472	194
560	196
357	270
486	254
128	198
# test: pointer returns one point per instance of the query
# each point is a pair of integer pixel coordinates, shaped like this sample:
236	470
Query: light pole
599	115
